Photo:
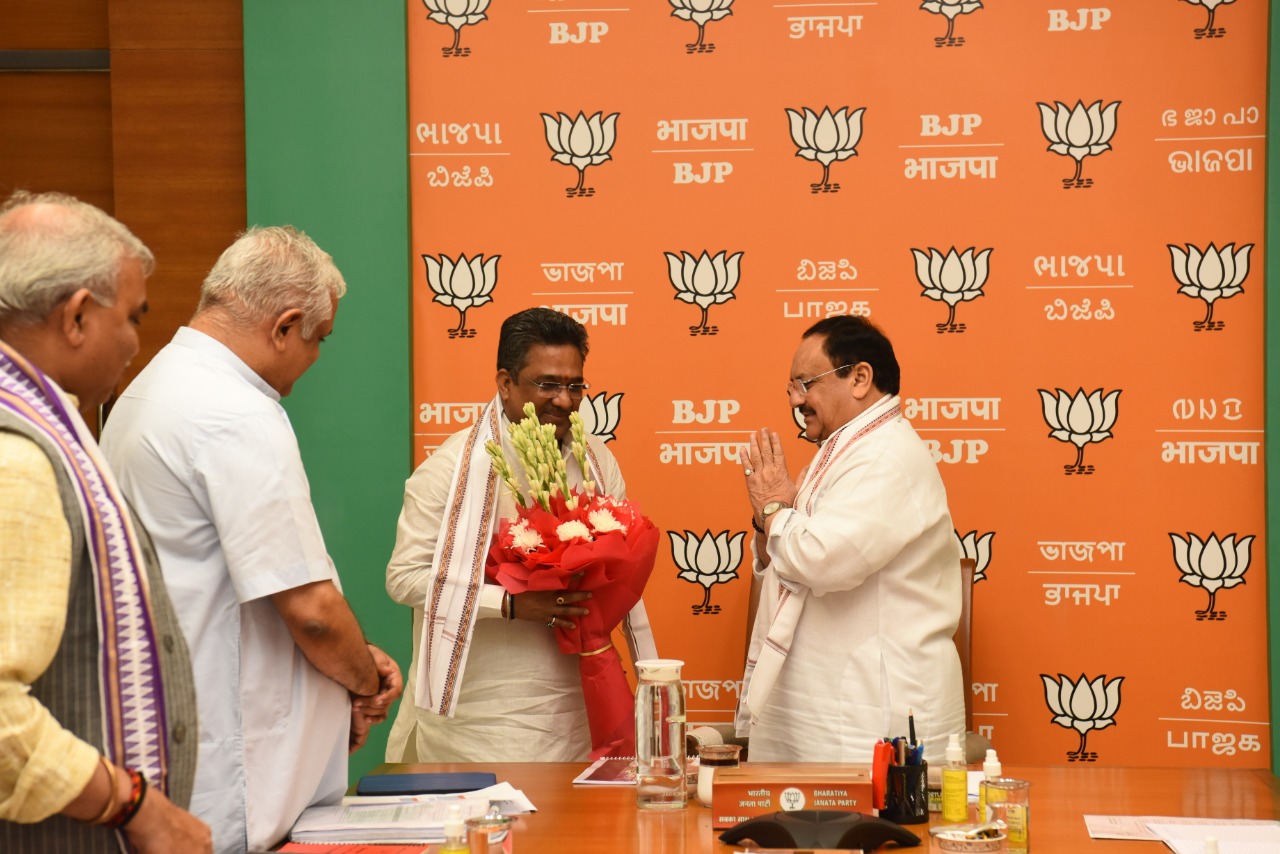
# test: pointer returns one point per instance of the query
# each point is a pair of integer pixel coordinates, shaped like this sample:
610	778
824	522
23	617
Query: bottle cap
991	767
955	749
660	669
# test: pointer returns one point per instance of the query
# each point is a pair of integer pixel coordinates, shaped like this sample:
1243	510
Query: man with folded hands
857	565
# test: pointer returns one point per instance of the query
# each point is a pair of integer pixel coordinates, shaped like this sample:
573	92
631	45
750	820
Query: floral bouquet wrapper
608	547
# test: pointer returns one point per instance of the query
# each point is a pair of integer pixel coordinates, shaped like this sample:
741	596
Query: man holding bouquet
488	681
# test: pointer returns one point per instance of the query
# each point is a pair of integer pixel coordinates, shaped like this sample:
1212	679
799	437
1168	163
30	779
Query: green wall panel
326	151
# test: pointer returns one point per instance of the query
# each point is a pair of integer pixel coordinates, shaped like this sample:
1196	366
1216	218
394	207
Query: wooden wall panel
177	83
55	134
168	24
53	24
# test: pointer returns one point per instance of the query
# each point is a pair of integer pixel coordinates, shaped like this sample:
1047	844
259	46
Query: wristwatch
771	508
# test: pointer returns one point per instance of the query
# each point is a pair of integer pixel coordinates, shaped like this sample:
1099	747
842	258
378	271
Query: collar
207	345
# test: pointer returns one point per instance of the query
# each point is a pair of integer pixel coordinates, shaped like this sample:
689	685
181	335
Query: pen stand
906	799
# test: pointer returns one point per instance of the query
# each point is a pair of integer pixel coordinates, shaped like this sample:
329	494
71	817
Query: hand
390	687
541	606
160	827
360	726
765	468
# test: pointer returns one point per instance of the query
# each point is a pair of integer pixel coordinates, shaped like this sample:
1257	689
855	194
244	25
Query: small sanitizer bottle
991	770
455	841
955	783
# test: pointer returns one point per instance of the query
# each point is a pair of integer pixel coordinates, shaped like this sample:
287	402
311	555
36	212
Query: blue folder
436	783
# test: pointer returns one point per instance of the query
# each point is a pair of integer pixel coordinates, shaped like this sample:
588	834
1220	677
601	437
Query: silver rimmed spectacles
801	387
554	389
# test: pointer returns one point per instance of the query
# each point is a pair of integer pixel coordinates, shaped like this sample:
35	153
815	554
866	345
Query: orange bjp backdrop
1054	211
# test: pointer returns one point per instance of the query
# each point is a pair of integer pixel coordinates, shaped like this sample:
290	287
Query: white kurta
881	562
206	455
520	698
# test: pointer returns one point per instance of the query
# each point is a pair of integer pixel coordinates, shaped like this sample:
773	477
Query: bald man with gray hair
287	683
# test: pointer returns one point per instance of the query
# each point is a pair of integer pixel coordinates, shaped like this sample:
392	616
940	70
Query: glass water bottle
660	747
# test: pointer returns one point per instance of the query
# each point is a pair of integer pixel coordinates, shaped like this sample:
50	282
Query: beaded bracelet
130	808
112	803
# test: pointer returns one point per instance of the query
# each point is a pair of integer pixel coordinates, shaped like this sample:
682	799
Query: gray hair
269	270
52	245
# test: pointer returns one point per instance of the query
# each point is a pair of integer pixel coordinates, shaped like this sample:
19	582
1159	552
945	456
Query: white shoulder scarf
784	601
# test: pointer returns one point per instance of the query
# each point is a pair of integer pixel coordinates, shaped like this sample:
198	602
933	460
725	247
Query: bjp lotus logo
580	143
826	137
600	414
1212	564
950	9
701	12
456	14
1084	706
708	560
977	549
462	284
952	278
1078	132
1079	419
1209	31
704	281
1210	275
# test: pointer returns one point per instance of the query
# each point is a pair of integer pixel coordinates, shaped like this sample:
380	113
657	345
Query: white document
1233	837
1138	826
407	819
508	799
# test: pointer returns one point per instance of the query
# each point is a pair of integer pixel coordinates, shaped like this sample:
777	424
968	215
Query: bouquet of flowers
576	539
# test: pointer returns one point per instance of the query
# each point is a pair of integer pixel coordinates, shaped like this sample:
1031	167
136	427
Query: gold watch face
771	508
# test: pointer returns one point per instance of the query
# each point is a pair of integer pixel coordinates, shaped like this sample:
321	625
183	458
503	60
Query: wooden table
588	819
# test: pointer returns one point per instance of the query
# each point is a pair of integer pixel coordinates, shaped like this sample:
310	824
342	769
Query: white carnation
602	521
524	538
573	530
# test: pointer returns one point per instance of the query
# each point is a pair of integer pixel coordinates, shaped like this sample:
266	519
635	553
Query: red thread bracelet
137	792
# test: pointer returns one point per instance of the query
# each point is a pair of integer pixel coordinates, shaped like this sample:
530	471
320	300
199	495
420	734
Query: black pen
911	726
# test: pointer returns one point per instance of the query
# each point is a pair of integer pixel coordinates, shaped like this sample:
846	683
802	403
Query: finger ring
551	624
749	472
559	600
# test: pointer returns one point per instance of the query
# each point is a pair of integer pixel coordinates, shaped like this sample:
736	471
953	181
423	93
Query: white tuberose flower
524	538
573	530
602	522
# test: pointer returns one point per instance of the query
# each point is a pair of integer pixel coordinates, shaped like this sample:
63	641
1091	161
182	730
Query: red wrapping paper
615	566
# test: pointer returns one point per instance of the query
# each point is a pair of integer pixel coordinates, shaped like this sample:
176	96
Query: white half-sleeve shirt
207	456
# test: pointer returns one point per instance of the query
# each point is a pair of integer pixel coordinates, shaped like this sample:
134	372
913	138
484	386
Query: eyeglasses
801	387
553	389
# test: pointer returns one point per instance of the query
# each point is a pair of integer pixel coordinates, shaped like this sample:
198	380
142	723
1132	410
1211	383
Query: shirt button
179	733
168	643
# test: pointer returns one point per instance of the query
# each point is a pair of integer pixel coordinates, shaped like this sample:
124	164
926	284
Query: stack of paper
412	818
